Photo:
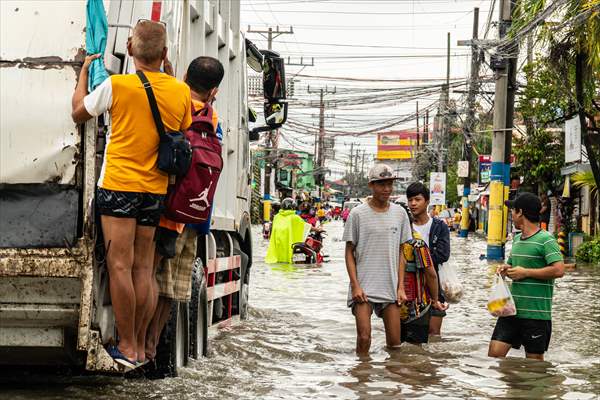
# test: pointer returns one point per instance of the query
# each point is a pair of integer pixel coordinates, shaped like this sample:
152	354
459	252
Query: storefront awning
574	168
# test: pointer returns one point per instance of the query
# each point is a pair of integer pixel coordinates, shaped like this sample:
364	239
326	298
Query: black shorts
146	208
533	334
165	242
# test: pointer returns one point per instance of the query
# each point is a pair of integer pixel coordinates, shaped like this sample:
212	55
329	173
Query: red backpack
190	200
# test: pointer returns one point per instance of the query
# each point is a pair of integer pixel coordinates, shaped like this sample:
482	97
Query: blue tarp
95	41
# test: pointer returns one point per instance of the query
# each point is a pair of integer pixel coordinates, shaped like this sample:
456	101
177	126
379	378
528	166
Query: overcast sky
366	40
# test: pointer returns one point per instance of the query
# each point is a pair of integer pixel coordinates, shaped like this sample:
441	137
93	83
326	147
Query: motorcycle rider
287	228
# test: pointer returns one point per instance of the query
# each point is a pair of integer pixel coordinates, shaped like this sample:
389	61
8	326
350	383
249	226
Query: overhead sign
463	169
437	188
396	145
572	140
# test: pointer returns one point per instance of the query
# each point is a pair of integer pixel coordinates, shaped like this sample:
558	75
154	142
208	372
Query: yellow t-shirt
198	105
132	146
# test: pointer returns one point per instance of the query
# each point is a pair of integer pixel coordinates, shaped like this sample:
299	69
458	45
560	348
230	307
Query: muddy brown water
299	344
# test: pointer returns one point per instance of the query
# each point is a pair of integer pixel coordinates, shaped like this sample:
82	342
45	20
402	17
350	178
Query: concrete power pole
270	143
510	111
495	244
320	140
442	131
469	125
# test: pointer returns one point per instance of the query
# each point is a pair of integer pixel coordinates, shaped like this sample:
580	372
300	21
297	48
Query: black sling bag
174	149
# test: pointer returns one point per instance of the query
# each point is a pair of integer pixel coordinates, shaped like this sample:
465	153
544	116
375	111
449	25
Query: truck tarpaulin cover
38	215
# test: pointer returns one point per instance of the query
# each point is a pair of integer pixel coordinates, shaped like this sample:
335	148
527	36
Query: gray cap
381	172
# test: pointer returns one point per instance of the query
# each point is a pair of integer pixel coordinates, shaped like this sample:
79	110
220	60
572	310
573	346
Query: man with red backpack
176	242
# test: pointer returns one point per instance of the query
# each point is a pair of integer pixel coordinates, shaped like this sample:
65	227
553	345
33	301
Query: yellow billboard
396	145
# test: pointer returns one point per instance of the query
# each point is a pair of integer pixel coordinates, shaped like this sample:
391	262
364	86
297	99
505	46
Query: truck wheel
198	313
173	348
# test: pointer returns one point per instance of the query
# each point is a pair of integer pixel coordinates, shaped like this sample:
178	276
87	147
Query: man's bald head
149	41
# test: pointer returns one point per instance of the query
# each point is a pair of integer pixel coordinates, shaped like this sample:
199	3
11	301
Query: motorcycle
267	229
309	252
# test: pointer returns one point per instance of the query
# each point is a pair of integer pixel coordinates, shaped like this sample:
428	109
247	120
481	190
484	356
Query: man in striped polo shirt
534	262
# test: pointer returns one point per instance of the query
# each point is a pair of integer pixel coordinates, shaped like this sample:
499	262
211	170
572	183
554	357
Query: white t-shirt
424	230
377	237
100	100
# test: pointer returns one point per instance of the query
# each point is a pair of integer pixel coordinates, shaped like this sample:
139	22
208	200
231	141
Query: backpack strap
206	111
153	105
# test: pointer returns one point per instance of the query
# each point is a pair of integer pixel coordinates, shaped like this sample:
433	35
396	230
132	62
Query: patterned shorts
174	275
146	208
166	242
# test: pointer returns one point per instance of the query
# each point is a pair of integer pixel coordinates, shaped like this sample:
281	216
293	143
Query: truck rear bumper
46	307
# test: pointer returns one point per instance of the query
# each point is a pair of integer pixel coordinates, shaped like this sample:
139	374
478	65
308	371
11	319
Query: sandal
120	358
142	363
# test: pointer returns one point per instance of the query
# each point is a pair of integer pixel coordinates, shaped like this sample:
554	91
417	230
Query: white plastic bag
450	284
501	303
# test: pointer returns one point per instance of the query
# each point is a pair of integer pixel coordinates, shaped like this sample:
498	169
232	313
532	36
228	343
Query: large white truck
54	300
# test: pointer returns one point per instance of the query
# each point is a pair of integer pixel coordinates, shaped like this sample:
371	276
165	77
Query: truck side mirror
275	114
273	77
274	89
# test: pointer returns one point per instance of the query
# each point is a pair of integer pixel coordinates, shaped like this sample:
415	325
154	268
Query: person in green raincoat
288	228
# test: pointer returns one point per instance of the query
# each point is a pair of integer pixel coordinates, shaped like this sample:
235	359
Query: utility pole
448	62
270	33
351	171
301	63
362	166
426	127
418	137
469	126
510	111
495	245
442	128
270	145
320	140
447	113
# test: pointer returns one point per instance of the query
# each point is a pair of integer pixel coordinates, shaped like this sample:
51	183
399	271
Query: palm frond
584	179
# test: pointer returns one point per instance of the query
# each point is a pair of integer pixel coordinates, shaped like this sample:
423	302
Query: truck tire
173	348
198	313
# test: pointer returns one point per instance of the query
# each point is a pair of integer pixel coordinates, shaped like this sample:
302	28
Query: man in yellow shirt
131	188
176	243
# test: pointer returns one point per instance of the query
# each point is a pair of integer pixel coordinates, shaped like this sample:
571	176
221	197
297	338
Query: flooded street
299	344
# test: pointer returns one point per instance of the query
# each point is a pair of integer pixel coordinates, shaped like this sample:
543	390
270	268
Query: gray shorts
377	308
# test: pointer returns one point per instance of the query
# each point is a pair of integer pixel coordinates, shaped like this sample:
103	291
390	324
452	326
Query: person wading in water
374	234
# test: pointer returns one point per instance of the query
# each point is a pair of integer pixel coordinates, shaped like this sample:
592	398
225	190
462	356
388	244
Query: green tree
572	65
540	157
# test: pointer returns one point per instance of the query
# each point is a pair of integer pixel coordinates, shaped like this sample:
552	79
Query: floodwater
299	344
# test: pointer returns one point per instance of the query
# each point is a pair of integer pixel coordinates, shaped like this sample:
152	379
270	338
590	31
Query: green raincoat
287	229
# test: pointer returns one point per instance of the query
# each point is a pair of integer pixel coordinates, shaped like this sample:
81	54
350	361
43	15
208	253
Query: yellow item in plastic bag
501	303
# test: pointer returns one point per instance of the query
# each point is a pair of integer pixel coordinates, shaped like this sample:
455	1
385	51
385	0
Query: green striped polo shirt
533	297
